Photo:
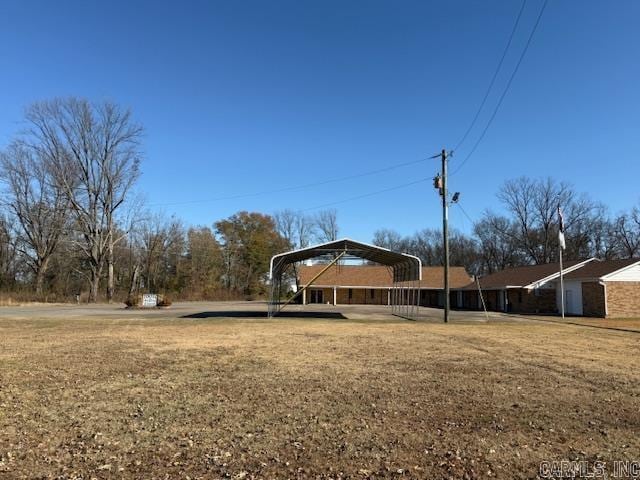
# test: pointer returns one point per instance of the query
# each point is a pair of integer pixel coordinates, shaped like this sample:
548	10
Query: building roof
378	276
527	276
600	268
405	266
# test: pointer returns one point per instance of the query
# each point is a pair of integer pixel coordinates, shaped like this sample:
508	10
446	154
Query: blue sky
250	96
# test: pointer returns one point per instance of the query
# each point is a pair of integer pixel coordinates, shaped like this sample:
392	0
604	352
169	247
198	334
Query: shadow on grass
258	314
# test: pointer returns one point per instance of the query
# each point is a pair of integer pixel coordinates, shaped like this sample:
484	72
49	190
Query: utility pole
445	234
440	183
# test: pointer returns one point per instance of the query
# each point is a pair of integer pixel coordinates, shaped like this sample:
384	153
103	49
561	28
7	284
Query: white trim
421	287
553	276
348	286
606	303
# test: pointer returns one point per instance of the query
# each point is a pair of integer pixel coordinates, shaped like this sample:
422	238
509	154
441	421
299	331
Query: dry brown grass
294	398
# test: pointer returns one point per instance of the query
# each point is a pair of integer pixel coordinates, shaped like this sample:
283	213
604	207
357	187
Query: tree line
526	232
71	222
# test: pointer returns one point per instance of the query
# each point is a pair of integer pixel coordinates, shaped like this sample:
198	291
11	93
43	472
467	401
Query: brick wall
623	299
327	294
362	296
491	299
593	299
470	300
526	301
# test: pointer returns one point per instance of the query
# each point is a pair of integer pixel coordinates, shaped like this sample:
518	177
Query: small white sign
149	300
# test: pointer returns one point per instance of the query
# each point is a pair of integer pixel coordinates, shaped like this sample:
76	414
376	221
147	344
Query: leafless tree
159	241
533	205
626	231
387	238
327	225
38	205
7	254
297	229
305	230
497	237
93	152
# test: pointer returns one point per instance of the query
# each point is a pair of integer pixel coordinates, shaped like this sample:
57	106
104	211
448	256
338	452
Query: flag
561	241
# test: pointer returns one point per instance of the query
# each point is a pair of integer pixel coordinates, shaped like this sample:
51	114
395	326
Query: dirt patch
291	398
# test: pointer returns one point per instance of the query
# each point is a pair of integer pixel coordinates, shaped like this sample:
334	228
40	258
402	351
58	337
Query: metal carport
407	271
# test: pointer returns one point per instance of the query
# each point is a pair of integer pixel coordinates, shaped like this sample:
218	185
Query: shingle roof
599	269
521	276
379	276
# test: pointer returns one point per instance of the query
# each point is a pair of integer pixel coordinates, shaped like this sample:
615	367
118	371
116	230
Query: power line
504	93
495	75
466	214
293	187
365	195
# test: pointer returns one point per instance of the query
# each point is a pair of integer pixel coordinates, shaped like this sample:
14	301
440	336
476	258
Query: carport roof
406	267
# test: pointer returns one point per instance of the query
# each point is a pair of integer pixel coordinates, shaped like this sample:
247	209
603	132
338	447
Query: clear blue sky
246	96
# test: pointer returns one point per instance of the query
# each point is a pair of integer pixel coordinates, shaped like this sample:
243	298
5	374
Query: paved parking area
232	309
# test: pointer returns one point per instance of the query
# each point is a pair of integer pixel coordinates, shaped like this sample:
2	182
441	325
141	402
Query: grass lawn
295	398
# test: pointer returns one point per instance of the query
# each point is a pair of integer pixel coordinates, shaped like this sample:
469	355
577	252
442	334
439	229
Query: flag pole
561	285
561	246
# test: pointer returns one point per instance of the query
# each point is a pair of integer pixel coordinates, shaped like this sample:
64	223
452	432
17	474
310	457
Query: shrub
164	301
133	301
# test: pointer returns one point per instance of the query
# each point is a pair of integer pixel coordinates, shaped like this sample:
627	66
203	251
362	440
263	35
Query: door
316	296
500	299
573	298
568	301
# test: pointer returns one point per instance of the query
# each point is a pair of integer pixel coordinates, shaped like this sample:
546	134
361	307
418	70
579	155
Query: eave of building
608	276
390	287
553	276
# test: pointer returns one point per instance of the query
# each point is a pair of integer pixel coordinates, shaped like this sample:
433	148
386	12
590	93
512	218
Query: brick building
372	284
598	288
528	289
608	288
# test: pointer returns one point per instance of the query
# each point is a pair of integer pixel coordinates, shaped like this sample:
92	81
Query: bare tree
497	238
533	205
160	242
297	229
285	221
38	205
305	230
626	232
327	225
387	238
7	254
93	153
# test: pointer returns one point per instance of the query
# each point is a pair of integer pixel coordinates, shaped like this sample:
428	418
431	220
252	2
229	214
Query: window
350	293
519	296
373	294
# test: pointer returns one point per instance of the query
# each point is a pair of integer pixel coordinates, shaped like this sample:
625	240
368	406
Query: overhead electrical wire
504	93
493	79
293	187
400	165
365	195
465	213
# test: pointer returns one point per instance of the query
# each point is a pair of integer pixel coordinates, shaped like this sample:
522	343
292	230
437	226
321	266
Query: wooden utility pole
445	234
